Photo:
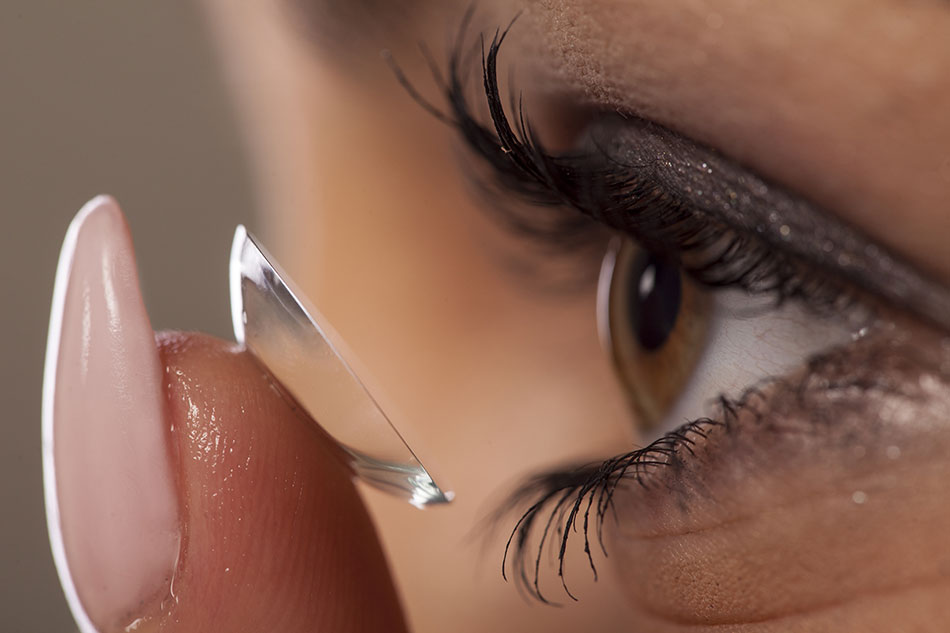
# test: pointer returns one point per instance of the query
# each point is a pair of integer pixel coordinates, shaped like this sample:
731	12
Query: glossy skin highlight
843	103
814	514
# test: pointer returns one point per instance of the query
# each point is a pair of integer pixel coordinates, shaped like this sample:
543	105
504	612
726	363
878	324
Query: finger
185	492
277	537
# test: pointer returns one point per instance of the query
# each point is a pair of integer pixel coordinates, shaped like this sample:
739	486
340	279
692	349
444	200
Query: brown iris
656	320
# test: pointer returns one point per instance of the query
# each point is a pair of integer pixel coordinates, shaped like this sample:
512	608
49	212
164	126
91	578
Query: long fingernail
111	497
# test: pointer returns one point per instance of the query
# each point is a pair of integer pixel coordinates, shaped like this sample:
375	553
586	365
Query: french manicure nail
111	496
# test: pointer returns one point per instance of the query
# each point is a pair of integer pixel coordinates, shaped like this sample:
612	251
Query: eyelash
580	194
621	197
569	496
579	499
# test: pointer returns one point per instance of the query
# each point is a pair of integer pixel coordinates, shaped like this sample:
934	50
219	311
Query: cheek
804	560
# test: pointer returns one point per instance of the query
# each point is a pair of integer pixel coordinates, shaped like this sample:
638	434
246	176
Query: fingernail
111	498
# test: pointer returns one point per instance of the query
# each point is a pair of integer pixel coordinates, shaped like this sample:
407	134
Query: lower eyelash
567	497
713	253
578	500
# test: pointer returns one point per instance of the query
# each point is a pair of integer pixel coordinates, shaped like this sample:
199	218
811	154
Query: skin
242	446
844	102
840	101
789	525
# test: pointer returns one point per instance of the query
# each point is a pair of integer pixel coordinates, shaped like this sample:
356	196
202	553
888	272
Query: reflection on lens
307	356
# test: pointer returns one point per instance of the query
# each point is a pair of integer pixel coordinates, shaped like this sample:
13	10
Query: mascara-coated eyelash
606	192
591	182
563	502
723	224
826	266
554	506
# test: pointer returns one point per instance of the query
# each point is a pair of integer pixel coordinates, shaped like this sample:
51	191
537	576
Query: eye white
750	340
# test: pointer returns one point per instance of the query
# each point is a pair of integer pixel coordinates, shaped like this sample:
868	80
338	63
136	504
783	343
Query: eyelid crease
723	191
660	213
726	228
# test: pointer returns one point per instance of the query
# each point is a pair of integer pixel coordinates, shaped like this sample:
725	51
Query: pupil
655	300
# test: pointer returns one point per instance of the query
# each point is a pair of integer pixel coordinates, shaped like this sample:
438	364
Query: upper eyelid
852	256
764	215
770	215
727	192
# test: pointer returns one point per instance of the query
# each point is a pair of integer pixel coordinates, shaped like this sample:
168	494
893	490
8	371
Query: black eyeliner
724	224
724	191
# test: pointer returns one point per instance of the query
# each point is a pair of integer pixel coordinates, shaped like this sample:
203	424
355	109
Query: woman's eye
654	322
677	346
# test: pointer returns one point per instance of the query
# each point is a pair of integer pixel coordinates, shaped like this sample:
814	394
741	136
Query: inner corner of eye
676	347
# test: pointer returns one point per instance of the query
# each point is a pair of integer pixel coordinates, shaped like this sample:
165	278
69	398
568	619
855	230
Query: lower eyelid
876	400
766	551
828	421
843	407
753	340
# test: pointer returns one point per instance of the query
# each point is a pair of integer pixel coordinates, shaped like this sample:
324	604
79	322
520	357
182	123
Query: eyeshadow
723	190
723	223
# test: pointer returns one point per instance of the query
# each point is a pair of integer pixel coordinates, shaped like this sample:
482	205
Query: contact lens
276	323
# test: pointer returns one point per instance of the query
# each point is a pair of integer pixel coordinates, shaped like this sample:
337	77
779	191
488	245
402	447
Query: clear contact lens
273	319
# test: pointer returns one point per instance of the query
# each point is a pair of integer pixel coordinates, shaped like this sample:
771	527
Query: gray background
100	97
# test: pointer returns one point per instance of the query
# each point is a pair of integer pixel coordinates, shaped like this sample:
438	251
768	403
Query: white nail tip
111	498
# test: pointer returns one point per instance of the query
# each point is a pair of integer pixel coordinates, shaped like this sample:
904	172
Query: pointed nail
111	496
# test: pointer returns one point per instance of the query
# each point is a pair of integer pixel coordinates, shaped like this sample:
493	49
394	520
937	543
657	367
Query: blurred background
101	97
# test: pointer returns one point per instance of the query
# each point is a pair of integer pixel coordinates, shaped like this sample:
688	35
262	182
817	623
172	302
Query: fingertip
275	530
